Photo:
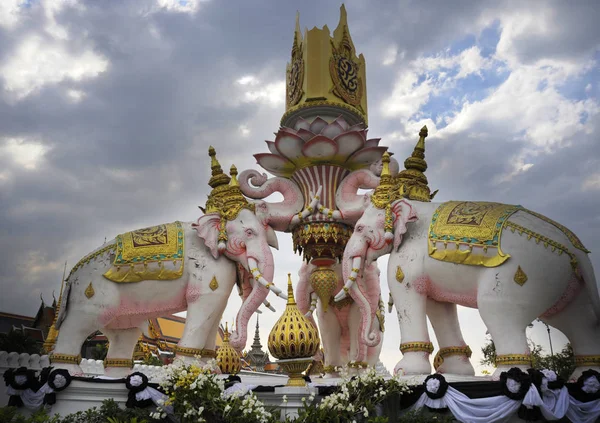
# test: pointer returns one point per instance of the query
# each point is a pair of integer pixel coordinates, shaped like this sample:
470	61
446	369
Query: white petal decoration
305	134
289	145
365	157
348	143
342	122
277	165
373	142
272	148
317	125
332	130
320	147
302	123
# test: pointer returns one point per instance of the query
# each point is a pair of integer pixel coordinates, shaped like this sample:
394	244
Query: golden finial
233	172
218	177
291	300
293	340
412	182
381	195
228	358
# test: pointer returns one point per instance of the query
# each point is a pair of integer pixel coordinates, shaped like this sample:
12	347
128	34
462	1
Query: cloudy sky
107	109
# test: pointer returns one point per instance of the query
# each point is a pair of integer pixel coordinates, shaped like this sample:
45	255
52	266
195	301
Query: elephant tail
586	270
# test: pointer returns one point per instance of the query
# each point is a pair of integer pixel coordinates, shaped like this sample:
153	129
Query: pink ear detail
208	229
402	216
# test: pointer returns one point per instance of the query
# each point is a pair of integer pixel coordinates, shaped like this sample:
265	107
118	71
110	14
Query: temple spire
412	182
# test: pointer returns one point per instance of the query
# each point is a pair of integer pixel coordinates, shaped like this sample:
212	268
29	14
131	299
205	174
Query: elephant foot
456	365
579	370
331	375
506	368
413	363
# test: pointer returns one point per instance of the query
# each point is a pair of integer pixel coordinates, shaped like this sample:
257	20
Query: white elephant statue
339	323
167	269
513	264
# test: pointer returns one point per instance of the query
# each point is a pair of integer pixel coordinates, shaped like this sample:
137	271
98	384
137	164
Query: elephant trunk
279	214
370	338
250	305
350	203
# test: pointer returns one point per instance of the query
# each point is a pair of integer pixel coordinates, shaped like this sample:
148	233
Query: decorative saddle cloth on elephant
469	232
150	253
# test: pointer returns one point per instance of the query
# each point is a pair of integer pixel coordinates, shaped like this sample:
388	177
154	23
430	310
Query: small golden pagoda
412	182
293	340
325	73
228	358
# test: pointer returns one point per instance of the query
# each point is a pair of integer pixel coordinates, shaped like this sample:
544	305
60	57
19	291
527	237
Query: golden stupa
412	182
228	358
293	340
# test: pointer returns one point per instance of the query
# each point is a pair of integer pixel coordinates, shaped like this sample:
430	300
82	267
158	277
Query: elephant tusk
390	303
260	279
269	306
309	210
313	305
356	261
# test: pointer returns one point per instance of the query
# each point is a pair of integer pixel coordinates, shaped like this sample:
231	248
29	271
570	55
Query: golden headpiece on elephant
226	197
382	196
412	183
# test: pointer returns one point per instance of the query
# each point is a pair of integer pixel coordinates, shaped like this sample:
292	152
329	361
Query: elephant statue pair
512	264
172	268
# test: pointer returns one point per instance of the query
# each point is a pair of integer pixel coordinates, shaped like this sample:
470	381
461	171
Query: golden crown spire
381	196
325	76
412	182
226	197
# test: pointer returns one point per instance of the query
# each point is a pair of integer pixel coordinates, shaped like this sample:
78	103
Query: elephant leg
444	319
203	316
577	322
331	337
75	329
358	350
506	321
411	310
122	342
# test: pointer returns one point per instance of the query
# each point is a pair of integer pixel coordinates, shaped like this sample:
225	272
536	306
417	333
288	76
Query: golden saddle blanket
467	232
150	253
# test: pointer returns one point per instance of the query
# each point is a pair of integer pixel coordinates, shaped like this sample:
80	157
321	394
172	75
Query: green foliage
99	351
561	362
19	342
152	361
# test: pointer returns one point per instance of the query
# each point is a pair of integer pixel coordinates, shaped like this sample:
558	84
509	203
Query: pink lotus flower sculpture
320	153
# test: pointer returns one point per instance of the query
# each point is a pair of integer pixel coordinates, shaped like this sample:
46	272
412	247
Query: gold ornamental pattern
344	72
293	336
474	224
294	90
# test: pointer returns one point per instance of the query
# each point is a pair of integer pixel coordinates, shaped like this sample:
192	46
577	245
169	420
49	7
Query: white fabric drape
555	405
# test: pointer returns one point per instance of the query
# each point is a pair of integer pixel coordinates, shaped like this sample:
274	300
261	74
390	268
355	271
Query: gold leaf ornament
89	291
520	276
399	274
214	284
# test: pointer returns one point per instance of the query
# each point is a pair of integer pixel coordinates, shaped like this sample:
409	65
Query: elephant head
384	219
230	227
352	204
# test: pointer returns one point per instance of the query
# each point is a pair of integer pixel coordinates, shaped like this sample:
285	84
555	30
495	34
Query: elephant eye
250	232
359	228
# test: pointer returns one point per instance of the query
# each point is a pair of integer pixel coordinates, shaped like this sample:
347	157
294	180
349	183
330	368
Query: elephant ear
403	213
272	237
208	229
